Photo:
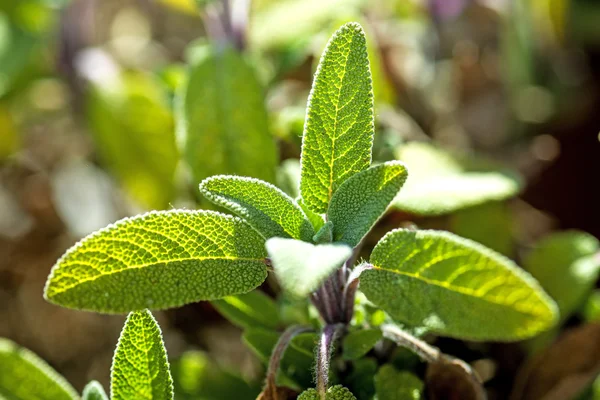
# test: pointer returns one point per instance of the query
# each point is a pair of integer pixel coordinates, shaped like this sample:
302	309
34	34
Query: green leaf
133	129
325	234
338	134
440	184
222	121
140	367
94	391
25	376
315	219
360	342
591	310
254	309
360	379
159	260
337	392
301	267
567	265
397	385
269	210
455	287
363	199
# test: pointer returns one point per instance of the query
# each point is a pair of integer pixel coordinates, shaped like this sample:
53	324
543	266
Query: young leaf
140	367
94	391
254	309
25	376
363	199
270	211
455	287
222	120
567	265
391	384
301	267
159	260
337	392
360	342
338	133
315	219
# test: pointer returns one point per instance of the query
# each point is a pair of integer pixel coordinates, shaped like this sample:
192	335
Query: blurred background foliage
113	107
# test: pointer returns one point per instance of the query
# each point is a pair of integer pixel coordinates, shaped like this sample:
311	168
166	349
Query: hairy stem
350	291
328	337
425	351
279	350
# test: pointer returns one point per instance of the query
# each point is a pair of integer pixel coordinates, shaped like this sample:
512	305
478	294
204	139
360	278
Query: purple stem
282	344
328	337
350	291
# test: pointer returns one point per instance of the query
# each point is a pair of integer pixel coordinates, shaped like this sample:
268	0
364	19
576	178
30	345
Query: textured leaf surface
455	287
301	266
140	367
222	122
360	342
269	210
94	391
315	219
25	376
363	199
567	265
338	133
440	184
337	392
391	384
159	260
254	309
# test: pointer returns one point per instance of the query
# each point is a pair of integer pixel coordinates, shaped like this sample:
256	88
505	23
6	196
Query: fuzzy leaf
455	287
363	199
315	219
391	384
222	121
567	265
325	234
360	342
254	309
94	391
269	210
25	376
301	266
159	260
338	134
140	367
337	392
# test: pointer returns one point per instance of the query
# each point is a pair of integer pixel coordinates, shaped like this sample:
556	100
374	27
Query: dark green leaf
360	342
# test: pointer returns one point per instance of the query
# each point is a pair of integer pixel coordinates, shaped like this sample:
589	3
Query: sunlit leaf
391	384
94	391
254	309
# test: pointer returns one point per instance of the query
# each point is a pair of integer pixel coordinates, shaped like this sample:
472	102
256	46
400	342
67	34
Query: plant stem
282	344
328	337
350	291
425	351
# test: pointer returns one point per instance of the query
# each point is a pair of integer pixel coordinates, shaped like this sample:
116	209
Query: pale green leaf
159	260
254	309
591	310
25	376
567	265
363	199
140	368
133	129
301	267
455	287
269	210
337	392
339	128
288	175
440	184
94	391
222	121
360	342
391	384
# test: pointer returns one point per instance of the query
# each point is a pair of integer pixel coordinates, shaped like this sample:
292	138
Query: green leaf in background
455	287
591	310
360	379
363	199
140	367
391	384
567	265
94	391
288	176
222	121
338	134
254	309
337	392
360	342
159	260
301	267
269	210
133	129
440	184
298	361
25	376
